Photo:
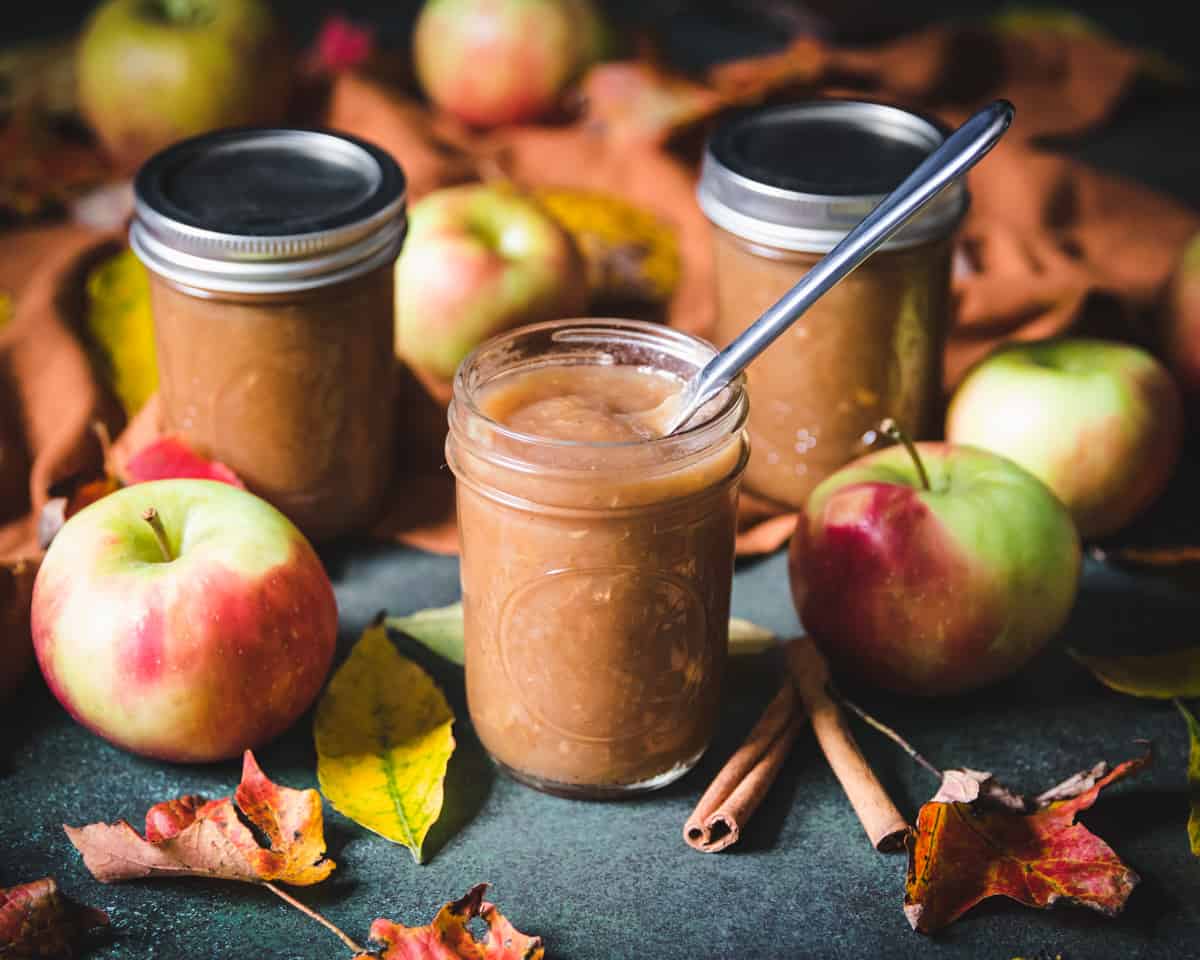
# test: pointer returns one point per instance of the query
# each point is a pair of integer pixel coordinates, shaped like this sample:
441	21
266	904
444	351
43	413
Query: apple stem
310	912
160	534
888	732
890	429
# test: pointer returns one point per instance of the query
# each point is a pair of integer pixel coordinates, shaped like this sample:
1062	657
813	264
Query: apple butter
782	186
271	257
597	555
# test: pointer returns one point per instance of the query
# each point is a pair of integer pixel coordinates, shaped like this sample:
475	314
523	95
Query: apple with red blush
1181	327
493	62
186	620
1099	422
933	568
479	259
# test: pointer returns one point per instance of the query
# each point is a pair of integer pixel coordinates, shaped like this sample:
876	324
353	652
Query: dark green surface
616	880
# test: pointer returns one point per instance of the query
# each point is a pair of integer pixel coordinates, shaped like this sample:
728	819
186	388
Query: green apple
155	71
186	620
478	260
933	570
1100	422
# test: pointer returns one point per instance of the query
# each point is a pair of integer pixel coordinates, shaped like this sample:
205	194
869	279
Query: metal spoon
959	152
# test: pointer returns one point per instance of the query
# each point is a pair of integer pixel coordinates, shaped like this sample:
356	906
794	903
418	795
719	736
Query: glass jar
595	576
782	186
271	257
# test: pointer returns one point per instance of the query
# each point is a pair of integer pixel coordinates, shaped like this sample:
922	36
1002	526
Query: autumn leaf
170	458
191	837
746	638
384	738
632	101
1162	557
37	920
341	44
438	628
6	309
1159	676
962	853
630	255
120	328
441	630
1193	826
448	938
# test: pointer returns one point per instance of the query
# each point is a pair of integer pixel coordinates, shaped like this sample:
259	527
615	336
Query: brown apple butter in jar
782	186
271	257
597	555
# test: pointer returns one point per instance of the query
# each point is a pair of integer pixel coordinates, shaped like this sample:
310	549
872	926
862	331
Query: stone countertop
610	880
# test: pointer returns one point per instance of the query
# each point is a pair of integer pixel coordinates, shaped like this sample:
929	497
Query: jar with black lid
782	185
271	257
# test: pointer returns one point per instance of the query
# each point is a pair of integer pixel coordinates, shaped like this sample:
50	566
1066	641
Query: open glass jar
782	186
596	575
271	257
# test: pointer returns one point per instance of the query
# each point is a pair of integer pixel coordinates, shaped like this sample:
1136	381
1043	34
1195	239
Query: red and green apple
1181	326
1099	422
479	259
934	569
186	620
151	72
492	62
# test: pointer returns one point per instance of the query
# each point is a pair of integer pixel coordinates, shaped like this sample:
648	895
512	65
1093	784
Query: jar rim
727	417
810	217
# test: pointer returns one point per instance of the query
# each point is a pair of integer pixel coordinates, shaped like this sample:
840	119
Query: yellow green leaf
120	328
746	637
1193	777
439	628
384	738
1159	676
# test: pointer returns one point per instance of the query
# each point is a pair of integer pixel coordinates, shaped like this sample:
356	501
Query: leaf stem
889	733
310	912
890	429
160	534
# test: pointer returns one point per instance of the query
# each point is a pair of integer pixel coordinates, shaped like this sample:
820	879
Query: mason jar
271	257
595	574
782	185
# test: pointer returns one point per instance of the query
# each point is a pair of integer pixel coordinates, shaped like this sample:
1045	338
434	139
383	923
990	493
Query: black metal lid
798	176
267	209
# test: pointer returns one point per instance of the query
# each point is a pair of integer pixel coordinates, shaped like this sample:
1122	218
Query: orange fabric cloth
1049	245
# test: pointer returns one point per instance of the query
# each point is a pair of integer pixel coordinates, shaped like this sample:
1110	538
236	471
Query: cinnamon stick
739	788
884	824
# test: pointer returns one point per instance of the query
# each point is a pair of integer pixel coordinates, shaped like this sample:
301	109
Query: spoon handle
959	152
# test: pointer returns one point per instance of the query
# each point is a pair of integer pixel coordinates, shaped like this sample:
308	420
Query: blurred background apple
155	71
491	62
1181	327
1099	422
479	259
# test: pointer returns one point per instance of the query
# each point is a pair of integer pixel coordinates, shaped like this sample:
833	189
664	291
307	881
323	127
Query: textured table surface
616	880
605	880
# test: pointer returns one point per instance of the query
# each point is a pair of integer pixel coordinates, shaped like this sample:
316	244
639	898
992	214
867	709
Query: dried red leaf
1175	556
962	853
169	458
633	101
36	920
448	938
191	837
341	44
